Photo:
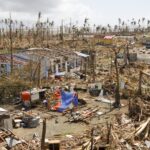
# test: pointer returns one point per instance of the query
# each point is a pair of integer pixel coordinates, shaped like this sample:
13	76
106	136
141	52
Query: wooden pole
43	135
109	132
92	139
140	83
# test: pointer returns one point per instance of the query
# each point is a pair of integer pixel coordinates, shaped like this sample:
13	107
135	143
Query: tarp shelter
66	99
5	120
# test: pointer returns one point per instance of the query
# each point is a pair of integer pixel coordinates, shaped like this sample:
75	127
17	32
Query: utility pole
11	43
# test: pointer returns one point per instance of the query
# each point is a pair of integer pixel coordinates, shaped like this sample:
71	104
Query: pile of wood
8	140
121	135
139	108
93	139
130	135
83	116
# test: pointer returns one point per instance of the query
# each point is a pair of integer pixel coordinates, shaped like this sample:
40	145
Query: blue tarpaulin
66	99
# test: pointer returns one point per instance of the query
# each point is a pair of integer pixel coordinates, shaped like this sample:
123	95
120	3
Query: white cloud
98	11
54	9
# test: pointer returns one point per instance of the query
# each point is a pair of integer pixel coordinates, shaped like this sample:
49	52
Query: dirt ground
57	125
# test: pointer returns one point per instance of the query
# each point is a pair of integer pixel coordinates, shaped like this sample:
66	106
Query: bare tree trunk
117	90
11	50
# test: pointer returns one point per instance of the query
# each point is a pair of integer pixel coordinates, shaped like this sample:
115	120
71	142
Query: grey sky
98	11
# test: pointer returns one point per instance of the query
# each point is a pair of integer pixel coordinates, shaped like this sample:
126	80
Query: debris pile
123	134
83	116
26	119
139	108
8	140
129	135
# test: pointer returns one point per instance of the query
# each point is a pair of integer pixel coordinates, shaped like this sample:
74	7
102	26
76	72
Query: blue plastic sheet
66	99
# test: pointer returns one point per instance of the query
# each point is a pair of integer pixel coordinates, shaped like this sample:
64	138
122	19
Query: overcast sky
98	11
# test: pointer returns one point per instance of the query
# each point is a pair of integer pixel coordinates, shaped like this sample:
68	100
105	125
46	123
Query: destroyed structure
75	89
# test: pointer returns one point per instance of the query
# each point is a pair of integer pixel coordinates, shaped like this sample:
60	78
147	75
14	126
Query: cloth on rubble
12	141
66	99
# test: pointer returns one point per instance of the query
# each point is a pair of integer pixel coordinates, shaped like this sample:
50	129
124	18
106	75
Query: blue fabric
67	98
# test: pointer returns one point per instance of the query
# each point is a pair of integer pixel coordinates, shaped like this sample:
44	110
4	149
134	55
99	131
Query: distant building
50	61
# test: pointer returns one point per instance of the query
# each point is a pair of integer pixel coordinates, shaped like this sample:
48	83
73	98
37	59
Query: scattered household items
26	120
30	96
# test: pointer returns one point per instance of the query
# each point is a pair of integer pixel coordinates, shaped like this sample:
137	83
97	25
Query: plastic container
25	96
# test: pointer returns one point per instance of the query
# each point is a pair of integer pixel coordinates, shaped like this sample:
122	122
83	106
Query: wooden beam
43	135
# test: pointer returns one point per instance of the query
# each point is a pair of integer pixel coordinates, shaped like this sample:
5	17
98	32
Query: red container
25	96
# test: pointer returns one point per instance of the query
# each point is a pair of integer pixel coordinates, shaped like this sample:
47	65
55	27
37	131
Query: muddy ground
58	125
